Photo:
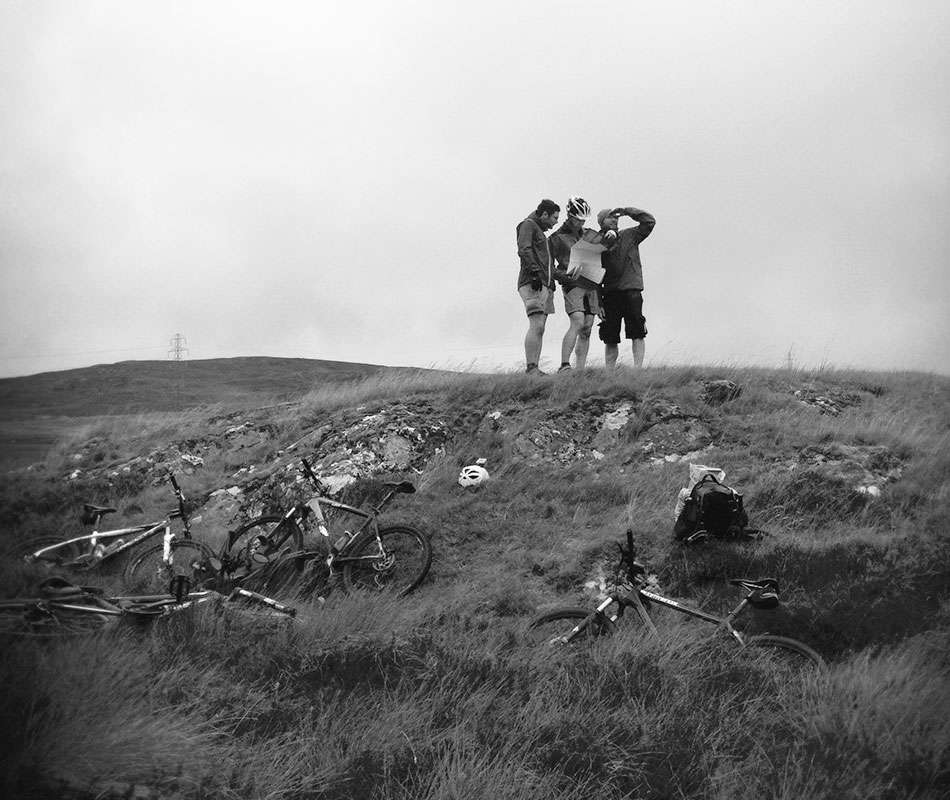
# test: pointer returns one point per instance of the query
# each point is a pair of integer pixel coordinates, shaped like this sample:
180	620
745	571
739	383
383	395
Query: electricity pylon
178	348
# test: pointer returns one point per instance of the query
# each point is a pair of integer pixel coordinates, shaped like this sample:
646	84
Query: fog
343	182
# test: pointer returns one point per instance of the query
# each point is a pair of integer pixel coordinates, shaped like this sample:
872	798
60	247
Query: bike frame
296	521
637	594
336	555
158	605
315	505
97	552
635	599
369	521
139	533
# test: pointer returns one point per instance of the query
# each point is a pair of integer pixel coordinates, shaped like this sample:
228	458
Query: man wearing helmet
623	282
580	301
536	277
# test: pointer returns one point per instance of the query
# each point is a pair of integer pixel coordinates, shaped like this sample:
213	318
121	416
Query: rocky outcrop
404	437
828	400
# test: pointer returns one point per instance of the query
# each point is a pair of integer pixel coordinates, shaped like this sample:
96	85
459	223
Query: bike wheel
147	572
788	653
63	555
551	628
248	546
397	562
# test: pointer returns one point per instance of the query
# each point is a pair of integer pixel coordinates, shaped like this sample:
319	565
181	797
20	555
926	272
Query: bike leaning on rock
270	549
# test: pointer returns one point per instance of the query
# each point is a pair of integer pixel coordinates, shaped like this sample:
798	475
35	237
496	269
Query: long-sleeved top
534	252
622	262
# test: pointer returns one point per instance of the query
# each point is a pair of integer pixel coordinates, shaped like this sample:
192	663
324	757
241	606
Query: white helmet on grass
473	475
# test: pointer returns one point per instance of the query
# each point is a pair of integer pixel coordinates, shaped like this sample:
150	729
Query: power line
78	353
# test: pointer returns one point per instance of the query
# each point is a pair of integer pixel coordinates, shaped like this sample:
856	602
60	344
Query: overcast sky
343	180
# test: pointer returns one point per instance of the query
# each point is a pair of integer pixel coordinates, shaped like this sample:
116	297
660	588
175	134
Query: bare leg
639	348
583	342
610	355
533	338
567	343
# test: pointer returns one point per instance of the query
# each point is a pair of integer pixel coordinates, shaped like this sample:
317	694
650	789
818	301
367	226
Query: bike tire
146	573
238	550
63	556
550	628
792	652
31	622
405	560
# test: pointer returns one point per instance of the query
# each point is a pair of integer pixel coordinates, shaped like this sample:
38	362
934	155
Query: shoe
565	368
532	369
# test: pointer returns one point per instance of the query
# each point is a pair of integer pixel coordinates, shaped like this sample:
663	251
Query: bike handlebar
312	477
628	558
182	510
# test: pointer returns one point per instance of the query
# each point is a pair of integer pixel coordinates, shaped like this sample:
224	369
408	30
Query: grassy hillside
437	695
38	410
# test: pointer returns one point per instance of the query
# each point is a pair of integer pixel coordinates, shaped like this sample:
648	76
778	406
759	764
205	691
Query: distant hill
36	411
140	386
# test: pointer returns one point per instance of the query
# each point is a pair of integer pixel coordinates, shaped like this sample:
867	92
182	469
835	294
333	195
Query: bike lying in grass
567	626
65	609
269	551
89	551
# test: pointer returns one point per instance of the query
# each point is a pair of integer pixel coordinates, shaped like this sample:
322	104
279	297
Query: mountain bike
86	552
270	550
567	626
64	609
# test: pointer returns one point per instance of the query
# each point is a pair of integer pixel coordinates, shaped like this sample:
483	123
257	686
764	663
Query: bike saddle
402	487
762	584
103	510
91	514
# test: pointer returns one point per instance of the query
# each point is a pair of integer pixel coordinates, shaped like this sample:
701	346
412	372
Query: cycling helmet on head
473	475
578	207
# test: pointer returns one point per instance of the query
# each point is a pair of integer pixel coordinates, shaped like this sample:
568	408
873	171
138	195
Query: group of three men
545	261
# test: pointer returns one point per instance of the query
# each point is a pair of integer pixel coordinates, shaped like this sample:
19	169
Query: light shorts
580	299
536	302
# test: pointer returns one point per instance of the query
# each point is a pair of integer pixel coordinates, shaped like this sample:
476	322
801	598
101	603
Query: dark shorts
626	306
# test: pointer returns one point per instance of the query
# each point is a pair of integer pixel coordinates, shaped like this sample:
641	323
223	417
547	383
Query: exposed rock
866	468
674	458
397	452
715	393
828	401
681	440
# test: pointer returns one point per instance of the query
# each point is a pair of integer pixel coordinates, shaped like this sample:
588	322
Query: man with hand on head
536	277
580	300
623	281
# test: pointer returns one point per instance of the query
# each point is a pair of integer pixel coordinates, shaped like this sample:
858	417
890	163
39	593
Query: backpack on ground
714	508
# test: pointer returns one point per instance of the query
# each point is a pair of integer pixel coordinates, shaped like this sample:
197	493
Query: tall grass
447	709
437	695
